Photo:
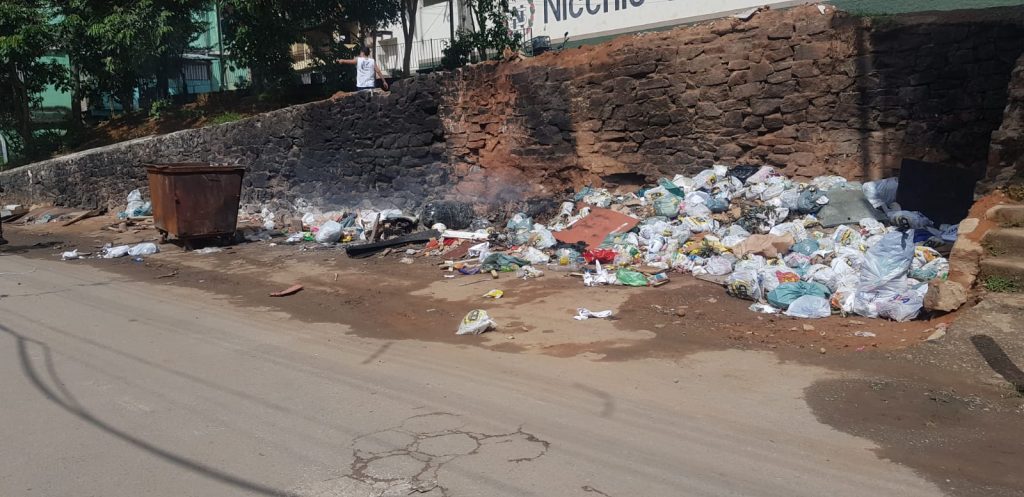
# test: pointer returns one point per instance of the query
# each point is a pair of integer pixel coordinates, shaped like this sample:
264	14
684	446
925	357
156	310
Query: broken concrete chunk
945	295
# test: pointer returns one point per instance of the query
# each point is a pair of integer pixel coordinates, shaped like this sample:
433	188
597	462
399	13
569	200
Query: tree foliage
26	37
492	35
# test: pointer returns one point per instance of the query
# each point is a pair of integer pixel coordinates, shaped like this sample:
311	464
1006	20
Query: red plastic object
601	255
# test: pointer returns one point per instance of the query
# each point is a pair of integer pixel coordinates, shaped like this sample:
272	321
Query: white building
581	20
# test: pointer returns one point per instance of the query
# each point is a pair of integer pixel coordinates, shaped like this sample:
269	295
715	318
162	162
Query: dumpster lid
191	167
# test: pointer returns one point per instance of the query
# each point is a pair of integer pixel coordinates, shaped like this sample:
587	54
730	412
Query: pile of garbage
764	237
807	249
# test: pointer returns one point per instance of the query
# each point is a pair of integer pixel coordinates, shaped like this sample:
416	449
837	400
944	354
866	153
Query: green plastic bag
629	277
786	293
503	262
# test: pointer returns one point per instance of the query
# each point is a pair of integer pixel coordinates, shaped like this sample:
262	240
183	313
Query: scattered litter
143	249
115	252
407	260
296	288
69	256
208	250
865	334
763	308
476	322
494	294
528	272
937	335
583	314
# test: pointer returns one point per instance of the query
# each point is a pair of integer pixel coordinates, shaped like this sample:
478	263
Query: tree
259	34
408	17
26	37
493	35
115	47
367	16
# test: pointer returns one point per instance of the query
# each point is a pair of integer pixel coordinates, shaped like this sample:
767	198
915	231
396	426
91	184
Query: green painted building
206	70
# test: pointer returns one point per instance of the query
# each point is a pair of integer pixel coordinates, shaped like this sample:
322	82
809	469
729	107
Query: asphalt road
110	387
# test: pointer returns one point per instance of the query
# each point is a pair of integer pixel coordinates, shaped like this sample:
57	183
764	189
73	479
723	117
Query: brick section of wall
810	93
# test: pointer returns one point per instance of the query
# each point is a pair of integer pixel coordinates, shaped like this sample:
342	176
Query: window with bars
197	71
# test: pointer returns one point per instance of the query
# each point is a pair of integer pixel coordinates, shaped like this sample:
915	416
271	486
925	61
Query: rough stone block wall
356	150
811	93
1006	157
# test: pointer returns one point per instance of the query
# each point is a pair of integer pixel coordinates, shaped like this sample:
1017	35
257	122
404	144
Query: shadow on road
997	359
65	400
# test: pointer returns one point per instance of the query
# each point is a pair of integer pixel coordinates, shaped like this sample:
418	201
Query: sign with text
589	18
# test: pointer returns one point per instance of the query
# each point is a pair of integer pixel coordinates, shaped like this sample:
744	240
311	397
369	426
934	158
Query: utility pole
220	47
451	17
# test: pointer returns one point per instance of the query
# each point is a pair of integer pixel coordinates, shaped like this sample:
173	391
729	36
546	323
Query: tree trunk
163	85
184	82
409	8
75	117
23	115
481	27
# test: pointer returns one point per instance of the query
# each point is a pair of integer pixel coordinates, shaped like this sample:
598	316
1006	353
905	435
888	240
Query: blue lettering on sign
560	10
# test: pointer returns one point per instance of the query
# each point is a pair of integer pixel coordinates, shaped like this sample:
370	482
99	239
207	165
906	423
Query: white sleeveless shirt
365	74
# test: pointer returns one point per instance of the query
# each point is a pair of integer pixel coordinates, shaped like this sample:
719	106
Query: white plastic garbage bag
872	226
882	192
744	284
542	237
476	322
809	306
600	276
329	232
70	256
719	266
135	203
883	273
535	256
115	252
480	251
584	314
143	249
900	307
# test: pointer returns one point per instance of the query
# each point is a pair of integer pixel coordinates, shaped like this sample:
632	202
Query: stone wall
351	151
810	92
1006	155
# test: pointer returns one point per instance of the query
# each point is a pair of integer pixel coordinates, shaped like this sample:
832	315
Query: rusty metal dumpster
194	201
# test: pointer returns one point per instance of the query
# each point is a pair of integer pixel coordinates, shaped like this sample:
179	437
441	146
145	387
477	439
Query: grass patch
1001	284
227	117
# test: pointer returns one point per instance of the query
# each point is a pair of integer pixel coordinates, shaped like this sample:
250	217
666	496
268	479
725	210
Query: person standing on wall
367	71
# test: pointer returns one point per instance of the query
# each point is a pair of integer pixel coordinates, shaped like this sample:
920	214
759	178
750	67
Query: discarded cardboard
770	246
594	228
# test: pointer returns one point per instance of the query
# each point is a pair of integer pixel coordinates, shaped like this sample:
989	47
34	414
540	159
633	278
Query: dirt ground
929	405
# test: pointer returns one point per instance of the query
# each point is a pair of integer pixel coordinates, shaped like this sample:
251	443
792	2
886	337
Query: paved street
110	387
